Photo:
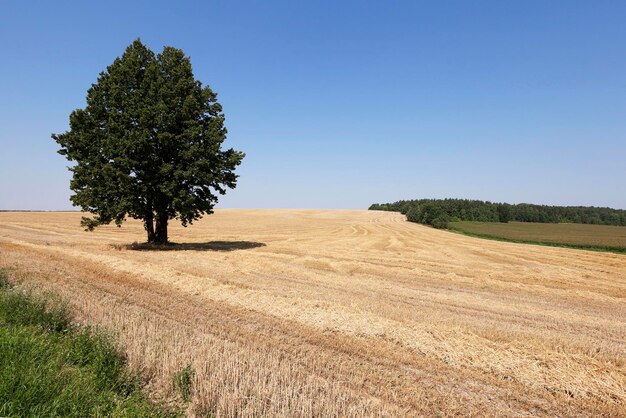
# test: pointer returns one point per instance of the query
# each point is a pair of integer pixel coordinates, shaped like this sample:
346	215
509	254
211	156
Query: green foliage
504	212
49	368
148	144
183	382
4	281
441	222
438	212
17	308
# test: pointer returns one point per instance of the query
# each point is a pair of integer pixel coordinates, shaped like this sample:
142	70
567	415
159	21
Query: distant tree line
439	212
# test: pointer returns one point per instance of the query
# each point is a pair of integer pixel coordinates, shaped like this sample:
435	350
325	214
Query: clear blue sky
340	104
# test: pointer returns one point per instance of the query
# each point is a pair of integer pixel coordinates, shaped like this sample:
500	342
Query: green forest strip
601	248
50	367
438	212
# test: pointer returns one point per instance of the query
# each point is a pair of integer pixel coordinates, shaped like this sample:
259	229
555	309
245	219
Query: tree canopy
148	145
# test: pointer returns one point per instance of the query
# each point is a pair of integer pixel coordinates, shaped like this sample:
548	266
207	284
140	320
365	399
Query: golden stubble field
342	313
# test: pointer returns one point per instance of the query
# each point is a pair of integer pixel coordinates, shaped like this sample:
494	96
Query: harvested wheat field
342	313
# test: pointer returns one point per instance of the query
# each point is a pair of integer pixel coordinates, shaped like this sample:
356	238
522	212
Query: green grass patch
48	367
578	236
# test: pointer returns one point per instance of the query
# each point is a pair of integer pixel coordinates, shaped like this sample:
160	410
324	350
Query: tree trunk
160	233
149	225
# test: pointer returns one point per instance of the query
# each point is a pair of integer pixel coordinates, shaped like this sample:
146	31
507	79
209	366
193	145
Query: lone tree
148	144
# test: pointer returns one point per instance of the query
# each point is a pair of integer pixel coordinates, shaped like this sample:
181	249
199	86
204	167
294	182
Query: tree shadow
192	246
